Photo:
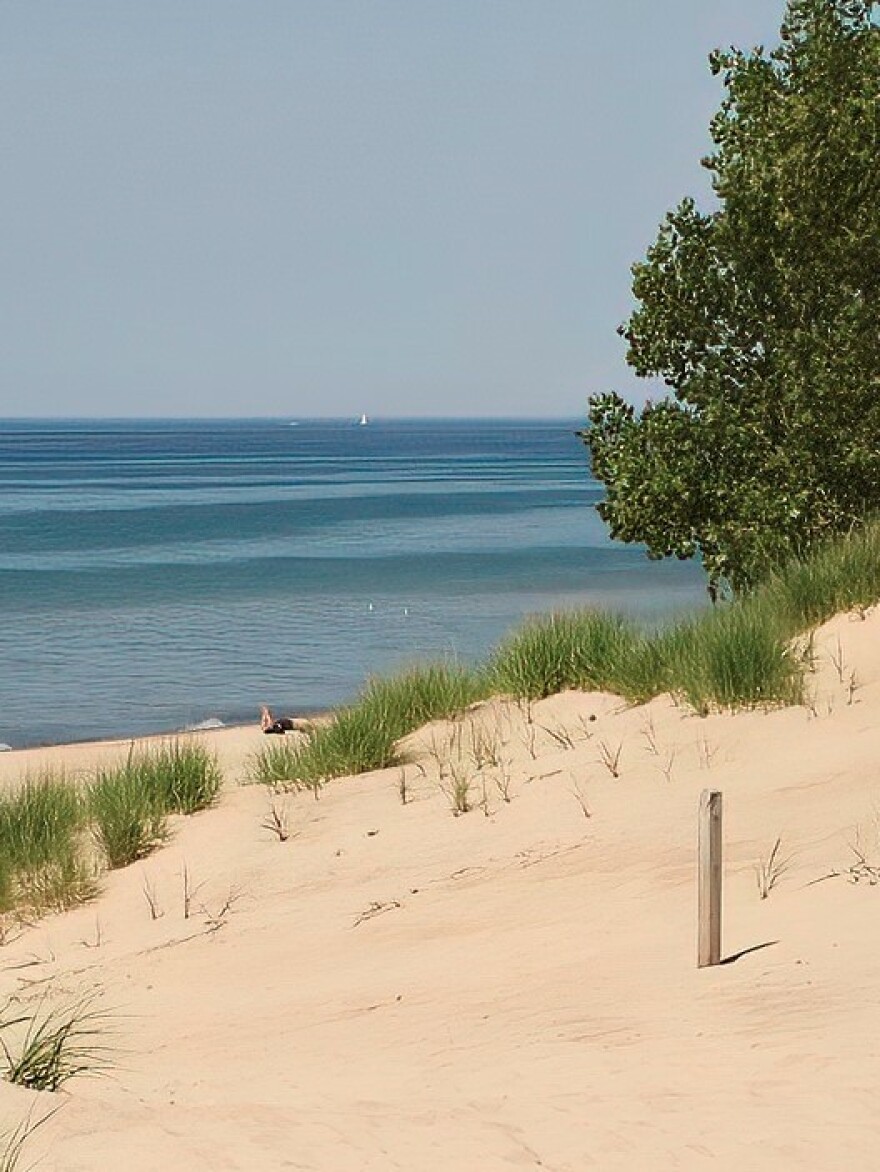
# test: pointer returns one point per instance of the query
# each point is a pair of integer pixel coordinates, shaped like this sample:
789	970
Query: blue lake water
157	574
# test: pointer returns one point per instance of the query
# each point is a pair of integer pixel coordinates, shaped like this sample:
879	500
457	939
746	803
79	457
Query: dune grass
732	657
42	867
364	735
48	825
128	822
740	655
43	1050
841	575
589	650
129	803
737	655
183	775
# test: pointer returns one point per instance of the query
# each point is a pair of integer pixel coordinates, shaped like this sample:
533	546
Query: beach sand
394	987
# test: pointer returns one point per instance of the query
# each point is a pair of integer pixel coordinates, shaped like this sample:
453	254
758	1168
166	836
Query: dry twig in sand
277	821
769	871
665	766
458	791
375	909
581	801
150	895
610	758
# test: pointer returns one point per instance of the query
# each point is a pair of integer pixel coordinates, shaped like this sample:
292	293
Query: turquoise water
154	575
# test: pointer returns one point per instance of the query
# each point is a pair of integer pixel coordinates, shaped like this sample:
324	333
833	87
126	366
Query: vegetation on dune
762	316
43	1050
364	735
42	867
50	823
589	650
129	803
727	658
182	774
737	655
127	820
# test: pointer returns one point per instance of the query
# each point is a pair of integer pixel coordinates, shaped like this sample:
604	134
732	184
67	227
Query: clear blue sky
323	207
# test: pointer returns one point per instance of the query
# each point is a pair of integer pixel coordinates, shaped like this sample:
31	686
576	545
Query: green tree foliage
762	316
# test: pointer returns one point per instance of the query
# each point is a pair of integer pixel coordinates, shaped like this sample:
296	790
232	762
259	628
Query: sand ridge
394	987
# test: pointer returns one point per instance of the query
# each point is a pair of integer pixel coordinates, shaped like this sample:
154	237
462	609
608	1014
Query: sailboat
363	421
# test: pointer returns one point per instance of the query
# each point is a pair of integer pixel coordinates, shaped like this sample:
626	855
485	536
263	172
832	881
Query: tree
762	316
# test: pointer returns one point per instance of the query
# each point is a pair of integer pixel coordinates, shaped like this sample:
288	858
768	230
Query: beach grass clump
733	657
418	695
355	741
841	575
49	825
276	763
364	735
183	774
128	821
736	656
44	1050
585	649
129	803
42	825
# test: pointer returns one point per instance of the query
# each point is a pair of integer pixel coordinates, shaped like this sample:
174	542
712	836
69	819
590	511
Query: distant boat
363	421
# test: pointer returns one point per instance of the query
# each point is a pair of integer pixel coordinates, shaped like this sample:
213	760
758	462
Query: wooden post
709	880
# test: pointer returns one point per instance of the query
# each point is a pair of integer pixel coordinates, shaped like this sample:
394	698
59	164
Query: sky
322	207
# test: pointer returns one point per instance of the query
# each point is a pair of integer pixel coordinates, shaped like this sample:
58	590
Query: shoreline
234	745
201	727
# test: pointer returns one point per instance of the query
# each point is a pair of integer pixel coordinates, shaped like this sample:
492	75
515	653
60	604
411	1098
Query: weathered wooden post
709	880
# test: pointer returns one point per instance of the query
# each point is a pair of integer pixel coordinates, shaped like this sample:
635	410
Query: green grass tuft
736	657
48	823
587	650
127	819
129	802
364	736
41	832
184	776
56	1045
841	575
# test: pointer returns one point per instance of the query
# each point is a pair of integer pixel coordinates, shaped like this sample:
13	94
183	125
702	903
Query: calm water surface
154	575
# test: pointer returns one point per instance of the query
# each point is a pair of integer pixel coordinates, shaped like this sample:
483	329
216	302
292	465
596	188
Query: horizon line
281	418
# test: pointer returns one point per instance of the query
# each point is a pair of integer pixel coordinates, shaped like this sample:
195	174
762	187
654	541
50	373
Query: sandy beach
394	987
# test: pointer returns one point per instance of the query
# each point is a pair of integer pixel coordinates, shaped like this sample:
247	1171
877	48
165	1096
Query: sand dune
398	988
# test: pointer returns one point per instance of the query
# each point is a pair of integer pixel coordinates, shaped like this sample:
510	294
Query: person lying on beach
272	724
